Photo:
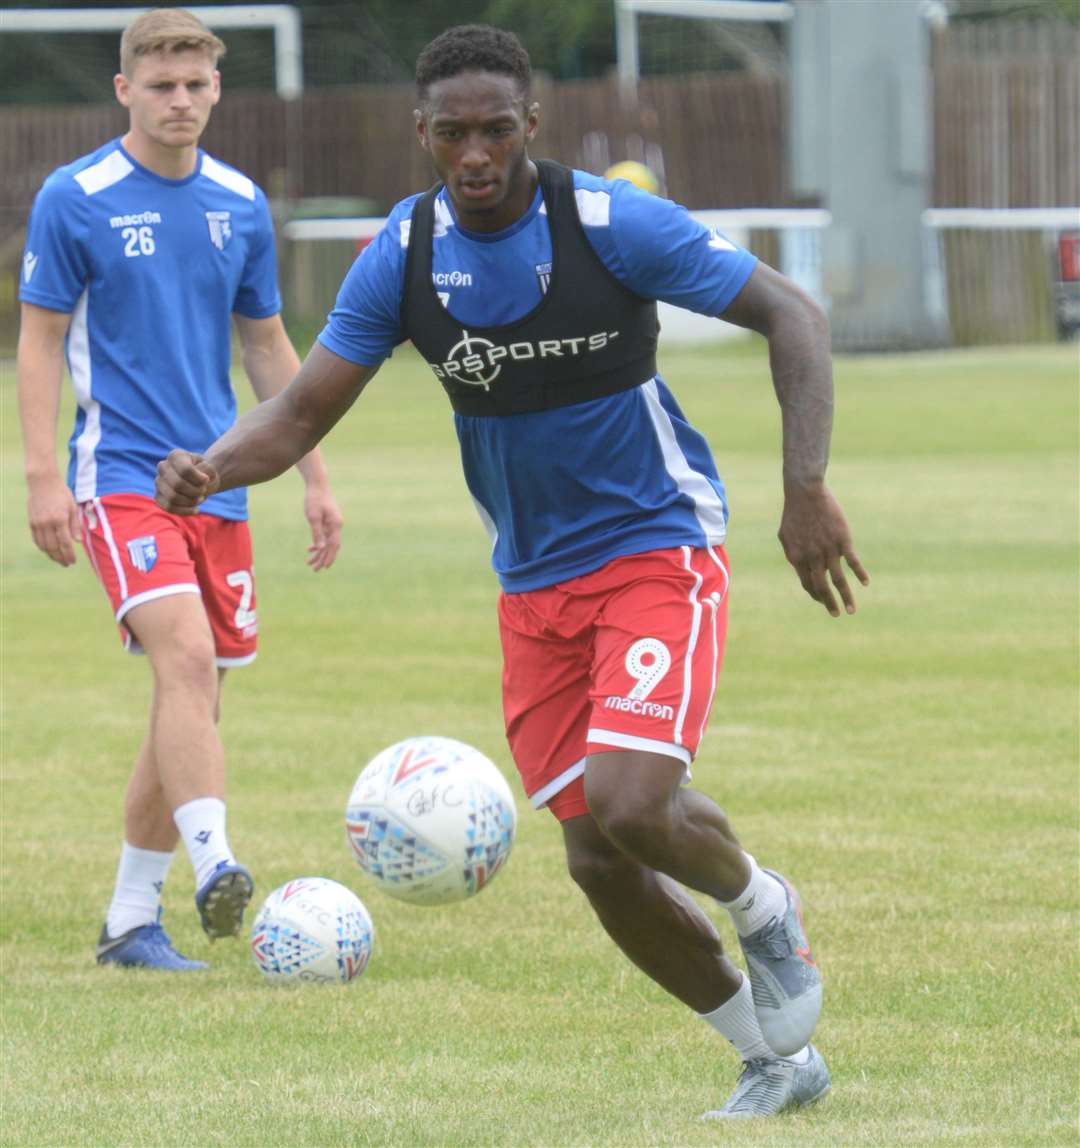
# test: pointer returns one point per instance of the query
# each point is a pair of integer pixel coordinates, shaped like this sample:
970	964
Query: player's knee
635	819
598	873
188	662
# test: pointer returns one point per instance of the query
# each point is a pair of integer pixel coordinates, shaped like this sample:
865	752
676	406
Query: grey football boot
767	1087
784	980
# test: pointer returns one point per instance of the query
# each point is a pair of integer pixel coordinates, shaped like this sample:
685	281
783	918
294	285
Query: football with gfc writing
431	820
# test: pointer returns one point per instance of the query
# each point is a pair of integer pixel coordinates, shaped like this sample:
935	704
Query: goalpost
282	19
627	13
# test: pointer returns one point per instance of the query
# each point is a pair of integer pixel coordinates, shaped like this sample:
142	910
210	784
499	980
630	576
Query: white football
312	929
431	820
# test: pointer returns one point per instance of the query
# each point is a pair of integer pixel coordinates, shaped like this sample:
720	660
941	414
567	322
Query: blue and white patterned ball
431	820
312	929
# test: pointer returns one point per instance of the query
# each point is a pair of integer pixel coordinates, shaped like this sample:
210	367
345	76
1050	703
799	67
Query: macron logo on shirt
30	262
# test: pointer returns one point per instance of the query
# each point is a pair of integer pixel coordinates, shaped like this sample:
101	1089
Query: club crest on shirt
143	553
543	274
220	228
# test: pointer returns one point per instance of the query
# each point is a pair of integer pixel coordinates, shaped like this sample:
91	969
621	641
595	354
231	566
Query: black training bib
589	336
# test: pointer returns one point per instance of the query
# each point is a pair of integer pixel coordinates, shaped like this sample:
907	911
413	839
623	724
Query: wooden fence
1006	132
721	139
1006	106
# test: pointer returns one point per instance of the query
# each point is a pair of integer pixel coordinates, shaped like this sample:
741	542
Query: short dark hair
472	48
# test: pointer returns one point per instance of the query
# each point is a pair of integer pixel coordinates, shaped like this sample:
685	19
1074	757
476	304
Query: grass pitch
913	769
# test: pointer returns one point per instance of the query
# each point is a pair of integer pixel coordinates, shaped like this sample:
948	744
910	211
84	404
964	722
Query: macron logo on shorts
143	553
637	706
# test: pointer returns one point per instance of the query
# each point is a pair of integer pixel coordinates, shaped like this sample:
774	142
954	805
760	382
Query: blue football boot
222	900
144	947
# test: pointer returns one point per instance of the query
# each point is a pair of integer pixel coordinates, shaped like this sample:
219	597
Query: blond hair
166	30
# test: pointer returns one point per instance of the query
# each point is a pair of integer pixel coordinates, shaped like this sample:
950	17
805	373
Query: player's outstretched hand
325	519
184	482
54	518
816	540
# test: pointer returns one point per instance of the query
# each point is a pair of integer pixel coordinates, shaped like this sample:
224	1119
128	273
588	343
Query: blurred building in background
971	104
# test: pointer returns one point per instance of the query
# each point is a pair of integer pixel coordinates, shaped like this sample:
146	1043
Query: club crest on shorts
143	553
220	228
543	274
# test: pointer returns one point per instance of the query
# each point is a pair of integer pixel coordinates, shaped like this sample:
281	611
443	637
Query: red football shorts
626	657
141	552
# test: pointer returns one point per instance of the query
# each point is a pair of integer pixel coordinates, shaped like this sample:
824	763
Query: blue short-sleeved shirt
564	491
151	270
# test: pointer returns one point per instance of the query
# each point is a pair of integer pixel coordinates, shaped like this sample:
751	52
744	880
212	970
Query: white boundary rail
1002	218
282	19
733	219
800	254
801	234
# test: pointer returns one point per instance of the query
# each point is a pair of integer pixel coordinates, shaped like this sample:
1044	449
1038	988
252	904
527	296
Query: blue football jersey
563	491
151	270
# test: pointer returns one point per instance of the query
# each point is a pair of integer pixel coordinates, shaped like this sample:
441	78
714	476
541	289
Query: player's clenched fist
184	481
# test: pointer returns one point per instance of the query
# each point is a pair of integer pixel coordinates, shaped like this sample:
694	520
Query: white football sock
202	827
764	897
736	1020
140	877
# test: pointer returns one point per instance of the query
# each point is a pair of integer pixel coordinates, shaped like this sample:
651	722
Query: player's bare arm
271	363
51	509
269	438
813	530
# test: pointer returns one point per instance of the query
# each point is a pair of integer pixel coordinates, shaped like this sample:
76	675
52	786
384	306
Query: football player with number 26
138	257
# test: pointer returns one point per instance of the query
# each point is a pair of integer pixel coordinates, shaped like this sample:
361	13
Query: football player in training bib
137	258
530	289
